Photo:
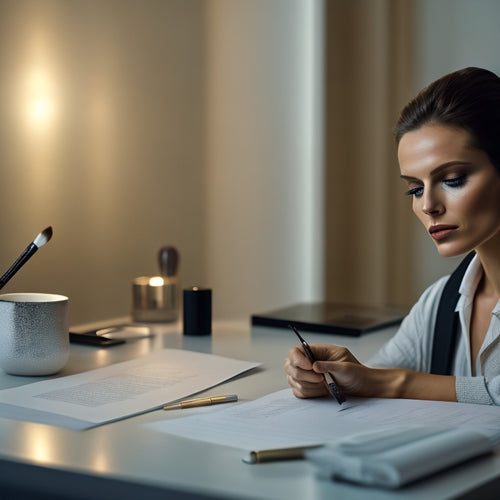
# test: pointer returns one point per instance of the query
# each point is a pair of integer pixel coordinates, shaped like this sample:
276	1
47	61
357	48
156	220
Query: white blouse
411	346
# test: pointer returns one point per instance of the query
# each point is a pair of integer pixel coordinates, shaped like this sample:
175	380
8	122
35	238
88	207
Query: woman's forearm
408	384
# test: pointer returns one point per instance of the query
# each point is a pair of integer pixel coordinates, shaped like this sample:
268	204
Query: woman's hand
306	379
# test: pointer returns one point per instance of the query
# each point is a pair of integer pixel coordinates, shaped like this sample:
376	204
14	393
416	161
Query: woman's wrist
402	382
391	382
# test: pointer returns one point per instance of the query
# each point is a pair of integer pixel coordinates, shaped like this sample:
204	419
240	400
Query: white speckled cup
34	338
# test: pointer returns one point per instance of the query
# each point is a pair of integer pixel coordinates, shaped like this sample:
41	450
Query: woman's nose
432	205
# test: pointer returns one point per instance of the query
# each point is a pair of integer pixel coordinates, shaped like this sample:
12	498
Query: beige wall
367	221
117	168
199	123
183	122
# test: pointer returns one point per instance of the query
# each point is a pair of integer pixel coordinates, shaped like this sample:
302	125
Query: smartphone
90	338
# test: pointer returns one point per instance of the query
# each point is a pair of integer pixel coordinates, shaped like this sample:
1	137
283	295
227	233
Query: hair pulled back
466	99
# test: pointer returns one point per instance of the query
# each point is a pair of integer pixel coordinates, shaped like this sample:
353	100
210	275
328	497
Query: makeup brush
38	242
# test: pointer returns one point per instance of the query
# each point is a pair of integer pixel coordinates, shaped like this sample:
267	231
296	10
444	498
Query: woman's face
454	187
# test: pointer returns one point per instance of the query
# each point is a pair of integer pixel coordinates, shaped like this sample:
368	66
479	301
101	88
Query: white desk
125	460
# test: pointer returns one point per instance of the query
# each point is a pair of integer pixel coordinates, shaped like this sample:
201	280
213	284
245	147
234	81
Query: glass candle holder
155	299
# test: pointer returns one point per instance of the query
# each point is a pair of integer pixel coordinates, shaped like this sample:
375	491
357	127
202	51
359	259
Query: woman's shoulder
411	345
433	292
422	315
452	282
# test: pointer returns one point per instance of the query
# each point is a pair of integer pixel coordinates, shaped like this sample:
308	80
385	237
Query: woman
448	140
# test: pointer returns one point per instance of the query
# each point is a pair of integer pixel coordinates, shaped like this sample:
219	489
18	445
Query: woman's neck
490	261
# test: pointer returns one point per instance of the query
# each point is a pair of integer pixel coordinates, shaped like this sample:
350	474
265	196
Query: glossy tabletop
126	460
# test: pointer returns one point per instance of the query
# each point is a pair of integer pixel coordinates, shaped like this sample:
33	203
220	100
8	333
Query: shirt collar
471	278
470	281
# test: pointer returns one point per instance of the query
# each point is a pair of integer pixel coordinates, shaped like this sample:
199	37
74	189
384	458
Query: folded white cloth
394	457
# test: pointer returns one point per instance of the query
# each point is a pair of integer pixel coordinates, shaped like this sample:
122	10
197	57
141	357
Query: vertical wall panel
264	144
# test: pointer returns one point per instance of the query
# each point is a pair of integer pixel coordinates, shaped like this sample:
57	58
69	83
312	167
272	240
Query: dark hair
466	99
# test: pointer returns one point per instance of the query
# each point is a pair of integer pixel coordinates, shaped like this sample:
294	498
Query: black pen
329	380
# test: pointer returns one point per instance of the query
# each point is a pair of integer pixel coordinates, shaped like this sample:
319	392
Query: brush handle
21	260
168	260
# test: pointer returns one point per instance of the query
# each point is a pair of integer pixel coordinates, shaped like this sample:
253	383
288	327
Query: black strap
446	327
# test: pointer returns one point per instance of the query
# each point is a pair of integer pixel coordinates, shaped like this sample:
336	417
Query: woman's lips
441	231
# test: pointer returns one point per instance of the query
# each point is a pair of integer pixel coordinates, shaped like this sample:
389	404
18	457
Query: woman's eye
416	192
452	182
456	182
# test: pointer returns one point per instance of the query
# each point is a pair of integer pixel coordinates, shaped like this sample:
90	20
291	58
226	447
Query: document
118	391
279	420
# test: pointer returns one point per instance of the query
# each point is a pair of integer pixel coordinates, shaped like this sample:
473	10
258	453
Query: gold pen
272	455
193	403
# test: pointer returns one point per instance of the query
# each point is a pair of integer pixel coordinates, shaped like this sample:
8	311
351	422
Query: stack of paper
118	391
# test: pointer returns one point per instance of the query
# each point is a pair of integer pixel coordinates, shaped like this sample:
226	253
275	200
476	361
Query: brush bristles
43	237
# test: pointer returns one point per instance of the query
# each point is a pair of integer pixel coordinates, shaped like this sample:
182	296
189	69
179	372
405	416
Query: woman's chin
451	250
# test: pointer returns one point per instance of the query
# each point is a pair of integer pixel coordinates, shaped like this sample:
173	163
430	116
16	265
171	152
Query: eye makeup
455	180
416	191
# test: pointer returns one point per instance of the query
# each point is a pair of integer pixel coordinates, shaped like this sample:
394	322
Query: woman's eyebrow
438	169
409	178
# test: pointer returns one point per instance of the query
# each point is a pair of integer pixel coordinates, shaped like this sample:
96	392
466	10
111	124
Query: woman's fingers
305	378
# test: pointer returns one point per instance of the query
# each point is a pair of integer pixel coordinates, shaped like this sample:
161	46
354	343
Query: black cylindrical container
197	311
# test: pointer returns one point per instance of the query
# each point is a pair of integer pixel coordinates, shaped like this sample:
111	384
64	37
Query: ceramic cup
34	338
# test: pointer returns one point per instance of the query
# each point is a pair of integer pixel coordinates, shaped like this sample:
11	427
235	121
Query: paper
280	420
120	390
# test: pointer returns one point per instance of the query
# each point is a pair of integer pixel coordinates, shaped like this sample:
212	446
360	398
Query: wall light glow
41	110
40	99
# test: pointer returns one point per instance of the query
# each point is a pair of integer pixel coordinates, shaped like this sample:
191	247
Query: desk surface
125	460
